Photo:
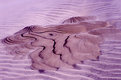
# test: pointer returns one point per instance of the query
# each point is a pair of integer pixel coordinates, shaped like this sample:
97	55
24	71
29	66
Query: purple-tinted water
16	14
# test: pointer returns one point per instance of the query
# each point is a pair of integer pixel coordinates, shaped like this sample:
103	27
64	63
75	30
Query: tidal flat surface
17	14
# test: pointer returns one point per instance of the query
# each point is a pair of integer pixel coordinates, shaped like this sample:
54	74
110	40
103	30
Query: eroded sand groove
59	45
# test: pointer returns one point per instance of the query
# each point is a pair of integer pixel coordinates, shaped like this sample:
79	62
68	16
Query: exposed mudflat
16	15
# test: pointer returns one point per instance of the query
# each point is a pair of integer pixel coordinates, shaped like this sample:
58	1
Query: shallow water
16	14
